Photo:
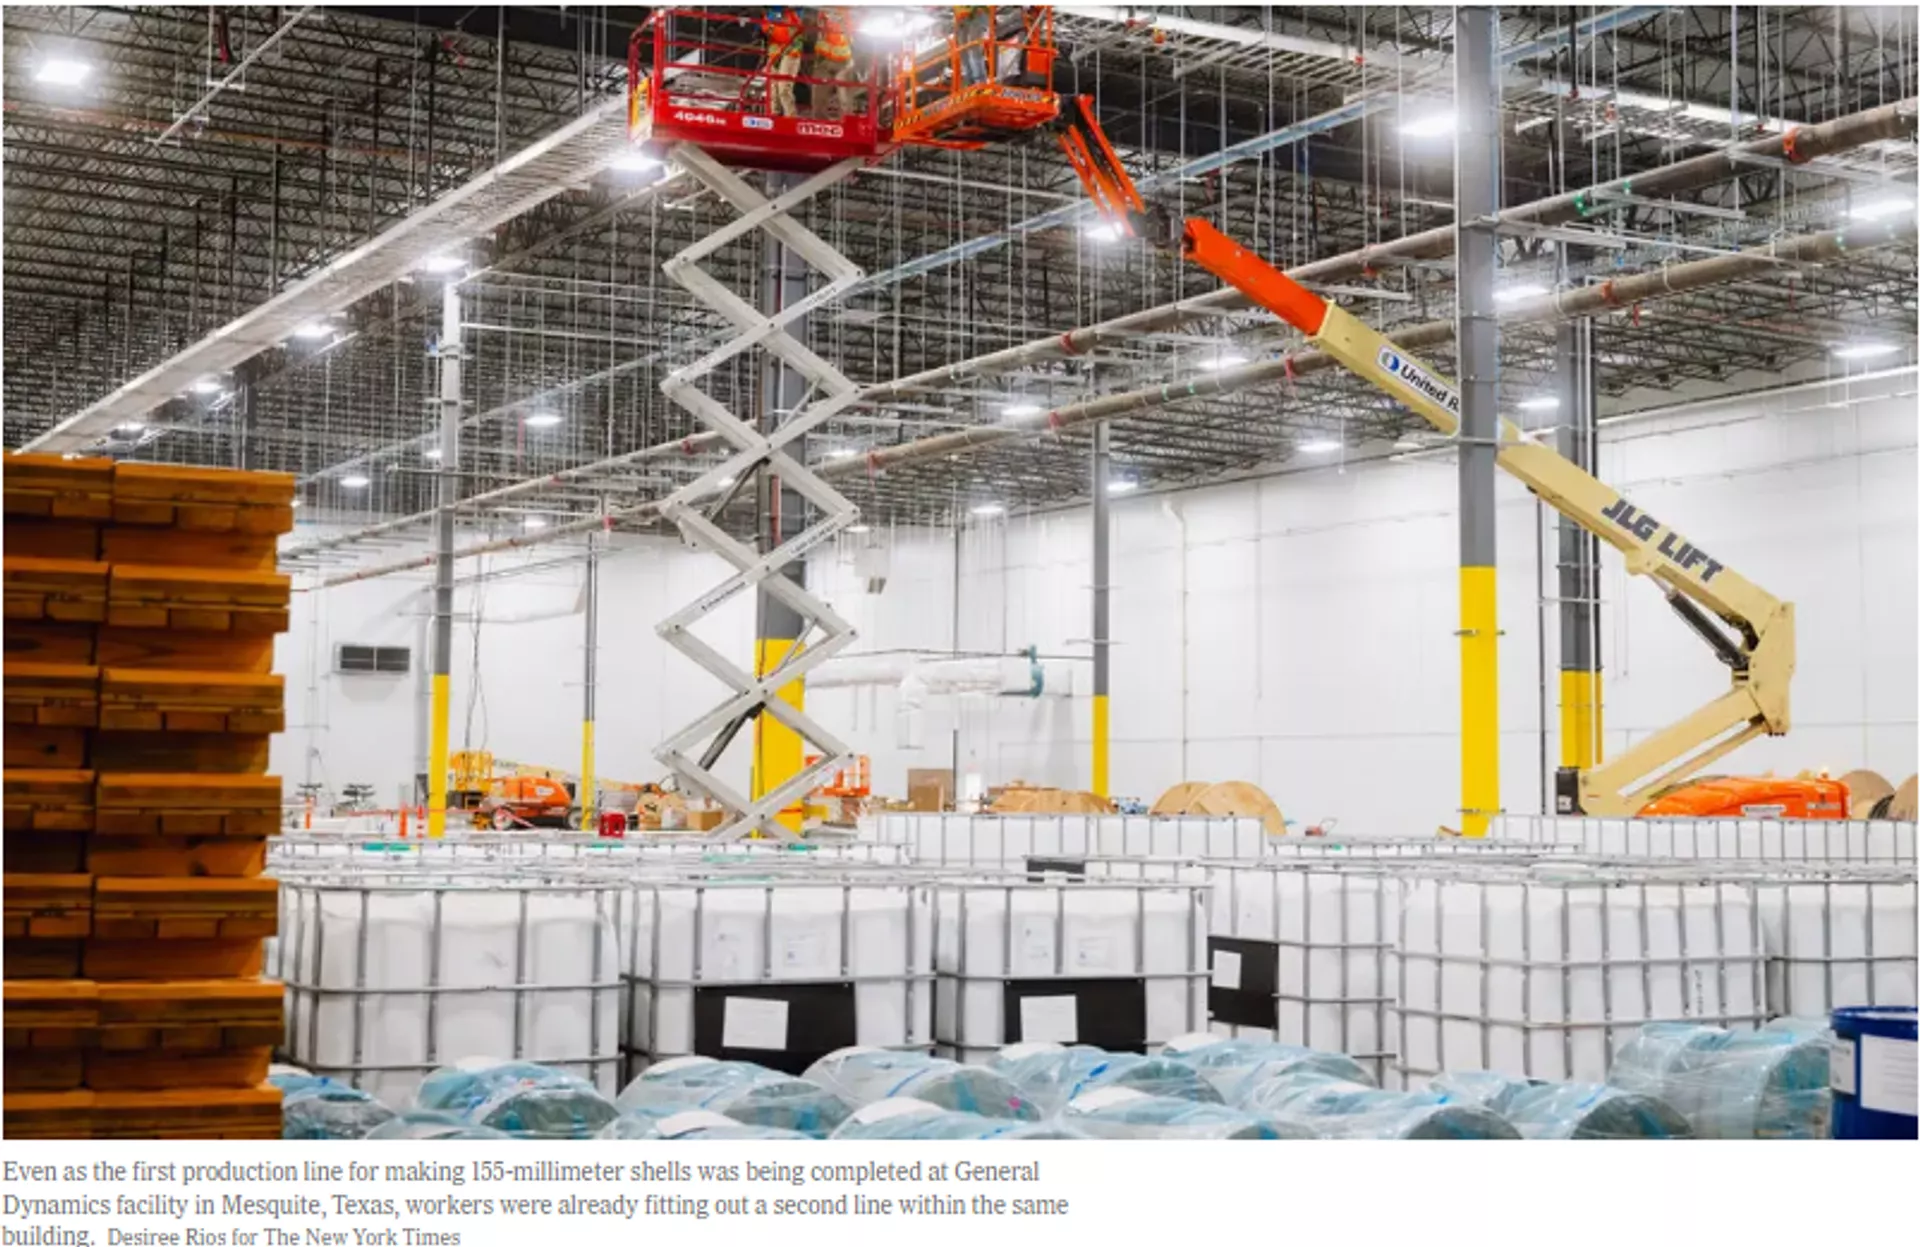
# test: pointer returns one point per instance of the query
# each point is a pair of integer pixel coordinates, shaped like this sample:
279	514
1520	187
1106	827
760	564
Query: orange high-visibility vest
783	27
833	43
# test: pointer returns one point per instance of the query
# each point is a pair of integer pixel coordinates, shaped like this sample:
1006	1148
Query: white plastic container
392	975
1878	841
777	967
1546	972
1010	840
1837	937
1118	965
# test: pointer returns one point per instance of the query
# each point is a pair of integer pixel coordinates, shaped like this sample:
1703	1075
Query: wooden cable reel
1233	798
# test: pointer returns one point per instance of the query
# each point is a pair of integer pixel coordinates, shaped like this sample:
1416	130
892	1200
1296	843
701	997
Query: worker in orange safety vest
786	46
833	52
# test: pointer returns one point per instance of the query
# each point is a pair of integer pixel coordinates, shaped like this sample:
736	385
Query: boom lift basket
933	104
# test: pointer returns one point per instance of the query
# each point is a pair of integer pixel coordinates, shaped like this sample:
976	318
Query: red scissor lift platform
703	77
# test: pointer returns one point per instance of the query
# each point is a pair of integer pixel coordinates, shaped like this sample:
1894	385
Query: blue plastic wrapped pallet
521	1099
1122	1113
314	1107
691	1124
1051	1079
1233	1064
1873	1063
1731	1084
1350	1111
1563	1110
859	1076
431	1124
750	1094
907	1118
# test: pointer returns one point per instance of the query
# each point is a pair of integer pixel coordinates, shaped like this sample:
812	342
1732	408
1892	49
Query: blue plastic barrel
1873	1073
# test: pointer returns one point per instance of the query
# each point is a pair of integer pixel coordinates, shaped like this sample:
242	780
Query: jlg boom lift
1759	651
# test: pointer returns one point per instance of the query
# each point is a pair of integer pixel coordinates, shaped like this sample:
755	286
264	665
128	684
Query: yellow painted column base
1100	745
1479	700
779	753
1580	723
437	759
585	795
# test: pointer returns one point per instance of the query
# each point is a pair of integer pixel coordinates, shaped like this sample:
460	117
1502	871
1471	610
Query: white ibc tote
1837	937
1115	964
1545	972
1877	841
1010	840
776	966
390	975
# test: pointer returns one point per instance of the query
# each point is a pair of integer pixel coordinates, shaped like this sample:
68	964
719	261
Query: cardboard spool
1865	789
1233	798
1904	805
1018	798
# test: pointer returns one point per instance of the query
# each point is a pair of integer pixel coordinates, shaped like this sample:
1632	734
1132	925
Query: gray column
447	494
1477	199
1579	570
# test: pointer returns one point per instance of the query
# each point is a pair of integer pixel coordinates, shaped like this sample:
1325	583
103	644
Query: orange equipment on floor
936	105
1732	797
520	801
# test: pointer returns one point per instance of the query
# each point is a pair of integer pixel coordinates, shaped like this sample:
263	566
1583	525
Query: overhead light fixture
636	161
542	420
534	521
841	452
206	385
1430	125
1320	446
1406	443
1106	231
130	426
314	330
1545	402
726	482
354	482
895	25
1122	486
61	71
988	508
859	528
1229	360
1864	350
1874	209
444	264
1509	294
431	452
1532	123
1018	410
296	502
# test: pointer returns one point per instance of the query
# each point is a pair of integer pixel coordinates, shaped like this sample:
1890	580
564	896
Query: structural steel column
1579	571
586	793
447	494
1102	533
779	751
1477	195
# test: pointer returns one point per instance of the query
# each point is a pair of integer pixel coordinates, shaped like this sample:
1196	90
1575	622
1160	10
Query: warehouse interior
660	439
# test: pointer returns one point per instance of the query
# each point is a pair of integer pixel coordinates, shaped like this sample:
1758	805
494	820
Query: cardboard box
929	791
705	820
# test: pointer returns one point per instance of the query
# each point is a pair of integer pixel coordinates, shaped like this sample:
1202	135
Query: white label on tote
750	1023
1889	1078
1049	1019
1226	970
1093	953
1840	1066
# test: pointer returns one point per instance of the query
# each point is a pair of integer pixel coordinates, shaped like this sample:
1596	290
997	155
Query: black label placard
1254	981
1107	1013
819	1019
1038	868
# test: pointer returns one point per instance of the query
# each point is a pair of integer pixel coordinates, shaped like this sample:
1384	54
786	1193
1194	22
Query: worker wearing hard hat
972	25
786	46
833	53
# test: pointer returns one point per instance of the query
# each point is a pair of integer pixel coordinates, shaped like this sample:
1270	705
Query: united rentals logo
1683	554
1418	379
757	123
703	119
820	130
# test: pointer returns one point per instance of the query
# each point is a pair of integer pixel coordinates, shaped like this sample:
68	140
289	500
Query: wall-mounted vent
373	659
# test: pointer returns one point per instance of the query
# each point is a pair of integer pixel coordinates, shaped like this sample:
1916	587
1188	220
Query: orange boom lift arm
1757	640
